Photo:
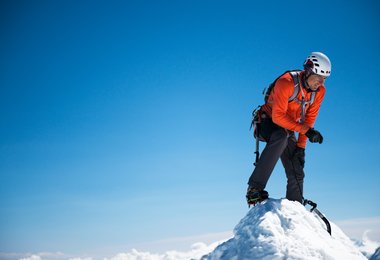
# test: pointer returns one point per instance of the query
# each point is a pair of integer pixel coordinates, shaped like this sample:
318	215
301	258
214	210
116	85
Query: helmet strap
304	78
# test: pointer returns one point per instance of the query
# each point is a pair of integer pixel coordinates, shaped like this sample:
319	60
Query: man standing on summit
292	105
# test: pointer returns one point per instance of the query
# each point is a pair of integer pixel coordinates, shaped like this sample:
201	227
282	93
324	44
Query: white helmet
318	63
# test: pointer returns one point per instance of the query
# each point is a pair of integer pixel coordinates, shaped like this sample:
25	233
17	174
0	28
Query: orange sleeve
311	115
282	91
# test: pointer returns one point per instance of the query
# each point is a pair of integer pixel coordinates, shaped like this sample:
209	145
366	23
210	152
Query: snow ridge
283	229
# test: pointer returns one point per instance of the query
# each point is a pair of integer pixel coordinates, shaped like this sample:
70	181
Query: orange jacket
288	114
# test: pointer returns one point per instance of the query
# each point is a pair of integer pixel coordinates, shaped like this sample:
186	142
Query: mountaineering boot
255	196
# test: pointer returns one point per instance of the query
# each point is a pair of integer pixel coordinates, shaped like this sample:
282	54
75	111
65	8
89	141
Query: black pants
281	143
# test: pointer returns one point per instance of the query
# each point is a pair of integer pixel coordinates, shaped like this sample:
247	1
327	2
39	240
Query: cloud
364	231
367	246
355	228
39	256
87	258
32	257
180	243
196	252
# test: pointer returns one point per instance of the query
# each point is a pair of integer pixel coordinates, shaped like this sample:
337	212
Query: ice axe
314	208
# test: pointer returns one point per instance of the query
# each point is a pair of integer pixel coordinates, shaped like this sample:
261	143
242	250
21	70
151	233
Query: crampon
255	196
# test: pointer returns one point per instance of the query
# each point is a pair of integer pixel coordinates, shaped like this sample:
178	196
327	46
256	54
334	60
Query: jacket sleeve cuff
302	140
304	129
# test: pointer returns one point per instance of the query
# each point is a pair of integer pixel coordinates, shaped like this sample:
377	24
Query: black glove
314	136
299	156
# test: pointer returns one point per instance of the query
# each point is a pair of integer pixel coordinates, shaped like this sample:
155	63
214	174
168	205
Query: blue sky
124	122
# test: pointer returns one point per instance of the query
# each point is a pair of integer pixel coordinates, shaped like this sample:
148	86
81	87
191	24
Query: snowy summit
283	229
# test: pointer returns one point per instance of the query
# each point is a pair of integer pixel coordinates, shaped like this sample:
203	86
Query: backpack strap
312	97
296	79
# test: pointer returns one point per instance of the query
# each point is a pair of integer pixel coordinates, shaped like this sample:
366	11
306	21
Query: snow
282	229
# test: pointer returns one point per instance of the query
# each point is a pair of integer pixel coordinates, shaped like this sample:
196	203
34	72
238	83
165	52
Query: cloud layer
196	251
366	232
